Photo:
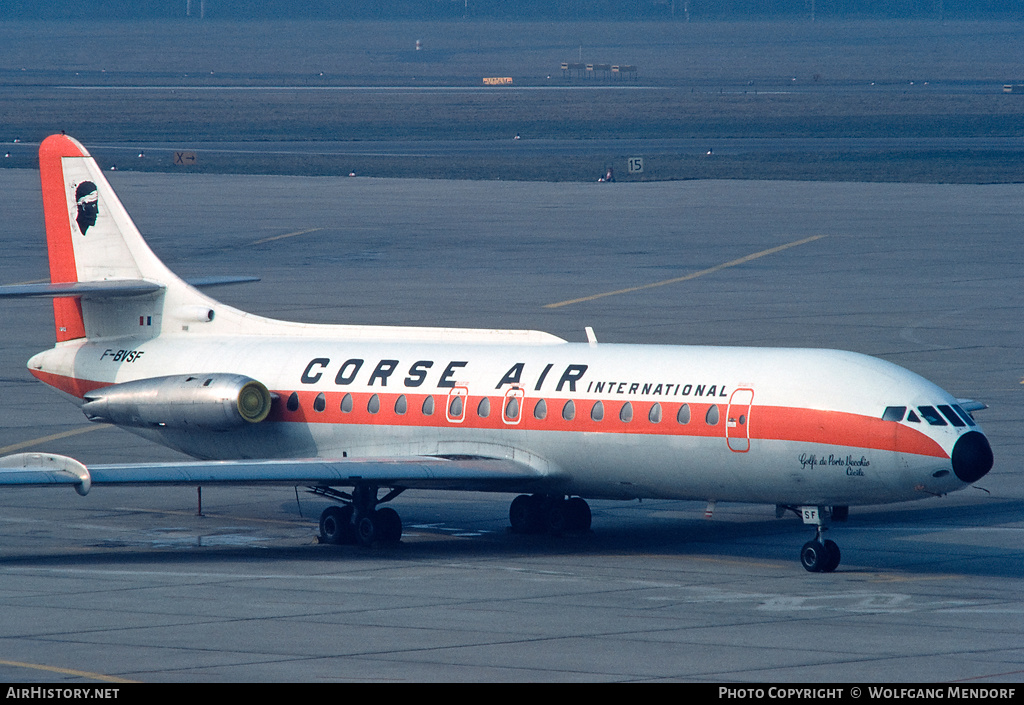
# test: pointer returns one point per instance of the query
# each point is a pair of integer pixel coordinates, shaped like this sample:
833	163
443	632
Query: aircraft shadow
969	540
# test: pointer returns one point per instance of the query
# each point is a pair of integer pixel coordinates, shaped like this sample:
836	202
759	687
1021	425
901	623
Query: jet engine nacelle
216	402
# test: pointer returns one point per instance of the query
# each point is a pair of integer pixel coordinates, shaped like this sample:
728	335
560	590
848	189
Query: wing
473	473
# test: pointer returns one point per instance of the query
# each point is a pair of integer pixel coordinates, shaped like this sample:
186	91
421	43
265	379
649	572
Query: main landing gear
358	521
551	514
819	555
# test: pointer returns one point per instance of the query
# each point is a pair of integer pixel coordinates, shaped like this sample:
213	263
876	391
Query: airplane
354	411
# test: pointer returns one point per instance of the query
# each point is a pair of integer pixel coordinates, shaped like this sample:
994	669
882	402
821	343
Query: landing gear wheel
834	556
578	512
336	525
556	518
817	557
366	529
539	514
524	514
812	556
389	525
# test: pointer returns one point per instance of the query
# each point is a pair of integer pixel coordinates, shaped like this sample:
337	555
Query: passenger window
428	406
512	409
401	404
683	417
931	415
654	415
894	413
455	408
373	406
626	413
320	403
483	409
964	415
951	415
569	411
712	416
540	411
597	411
293	402
346	403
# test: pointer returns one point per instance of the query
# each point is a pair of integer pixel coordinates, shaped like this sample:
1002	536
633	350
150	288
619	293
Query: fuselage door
737	420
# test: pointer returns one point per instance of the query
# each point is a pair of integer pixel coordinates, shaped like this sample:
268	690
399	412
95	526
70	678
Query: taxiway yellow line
694	275
45	439
282	237
67	672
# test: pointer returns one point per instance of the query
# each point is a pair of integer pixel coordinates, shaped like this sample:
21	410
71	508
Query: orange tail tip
67	312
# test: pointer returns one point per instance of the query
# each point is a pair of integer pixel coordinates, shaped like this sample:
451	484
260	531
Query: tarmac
135	585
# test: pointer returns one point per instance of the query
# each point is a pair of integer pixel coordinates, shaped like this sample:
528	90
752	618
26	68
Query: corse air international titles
359	414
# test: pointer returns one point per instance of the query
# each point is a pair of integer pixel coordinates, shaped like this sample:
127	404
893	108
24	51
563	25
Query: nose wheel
819	555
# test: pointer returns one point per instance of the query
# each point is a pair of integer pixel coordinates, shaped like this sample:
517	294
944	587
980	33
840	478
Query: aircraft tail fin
107	280
106	283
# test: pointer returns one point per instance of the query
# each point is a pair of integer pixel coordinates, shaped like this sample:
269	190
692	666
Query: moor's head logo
87	201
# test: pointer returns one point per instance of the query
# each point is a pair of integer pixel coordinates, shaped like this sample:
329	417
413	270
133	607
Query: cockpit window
931	415
964	415
894	413
951	415
912	416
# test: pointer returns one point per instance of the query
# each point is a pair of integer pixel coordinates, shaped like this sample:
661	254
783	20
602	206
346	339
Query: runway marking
694	275
55	437
67	672
282	237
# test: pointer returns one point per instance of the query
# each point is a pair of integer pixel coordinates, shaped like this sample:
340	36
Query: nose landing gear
818	555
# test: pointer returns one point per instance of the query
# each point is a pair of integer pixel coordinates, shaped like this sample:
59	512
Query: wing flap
419	472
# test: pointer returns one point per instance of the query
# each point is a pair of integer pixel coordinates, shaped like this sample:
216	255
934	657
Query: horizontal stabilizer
418	472
208	282
87	290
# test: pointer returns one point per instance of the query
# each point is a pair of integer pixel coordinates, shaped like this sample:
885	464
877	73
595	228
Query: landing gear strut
358	521
551	514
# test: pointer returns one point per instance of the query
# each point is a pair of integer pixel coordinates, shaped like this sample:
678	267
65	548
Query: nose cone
972	456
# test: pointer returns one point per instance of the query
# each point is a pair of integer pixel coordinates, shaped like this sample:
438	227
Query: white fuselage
786	426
